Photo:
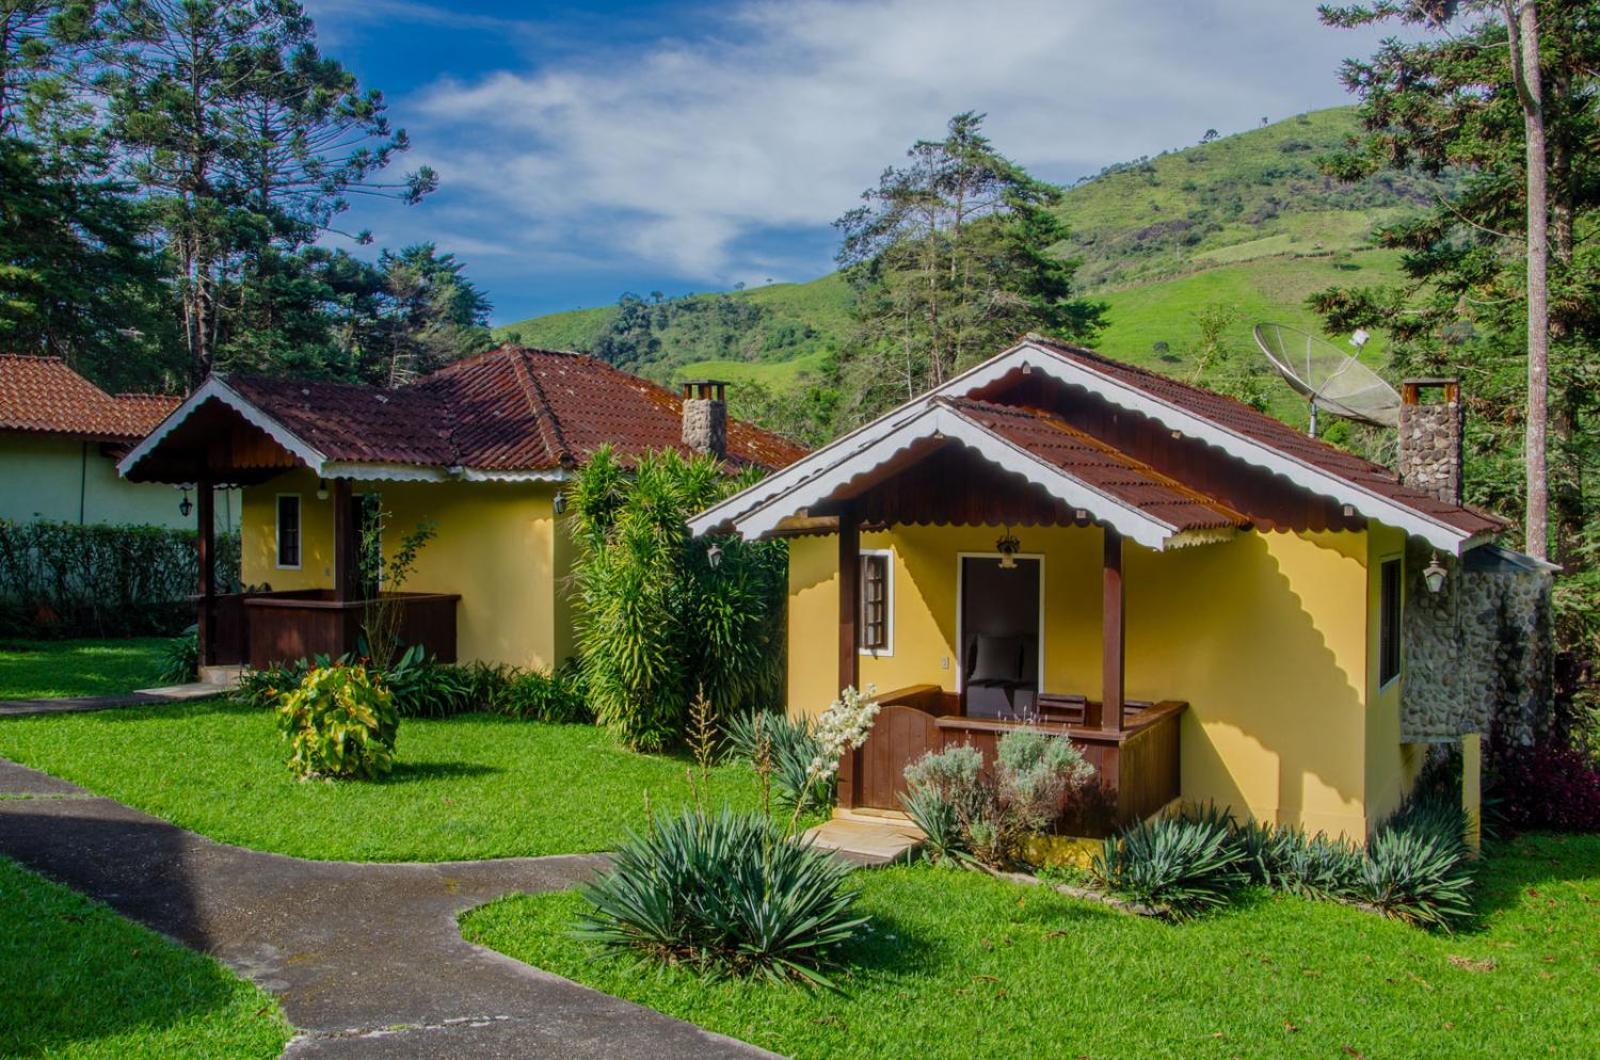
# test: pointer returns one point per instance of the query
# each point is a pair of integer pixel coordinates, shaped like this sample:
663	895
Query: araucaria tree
246	140
951	258
1503	279
1503	288
663	617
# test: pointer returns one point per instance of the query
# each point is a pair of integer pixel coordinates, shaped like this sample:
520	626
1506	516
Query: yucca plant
944	842
1417	867
727	894
180	658
790	747
1183	865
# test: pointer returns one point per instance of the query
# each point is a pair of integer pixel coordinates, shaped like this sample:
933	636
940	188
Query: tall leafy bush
66	579
661	614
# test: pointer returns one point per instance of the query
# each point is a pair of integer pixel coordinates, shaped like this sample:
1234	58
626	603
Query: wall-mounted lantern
561	504
714	555
1008	546
1434	574
185	506
322	489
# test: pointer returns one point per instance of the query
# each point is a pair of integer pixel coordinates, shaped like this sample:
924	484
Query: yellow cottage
482	448
1207	601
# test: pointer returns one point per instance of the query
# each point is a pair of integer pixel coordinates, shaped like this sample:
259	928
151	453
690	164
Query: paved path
366	959
76	704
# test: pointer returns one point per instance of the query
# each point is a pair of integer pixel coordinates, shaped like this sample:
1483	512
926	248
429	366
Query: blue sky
586	150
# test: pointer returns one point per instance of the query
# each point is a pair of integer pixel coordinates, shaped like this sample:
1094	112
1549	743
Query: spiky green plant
790	747
724	894
657	616
944	842
1183	865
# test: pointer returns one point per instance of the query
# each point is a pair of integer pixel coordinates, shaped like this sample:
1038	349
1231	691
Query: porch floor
866	842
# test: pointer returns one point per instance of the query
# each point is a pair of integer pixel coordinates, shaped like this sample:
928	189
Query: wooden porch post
344	543
206	548
849	657
1112	628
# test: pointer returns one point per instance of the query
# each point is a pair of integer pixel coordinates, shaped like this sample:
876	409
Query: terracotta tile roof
1099	465
44	395
510	409
1241	419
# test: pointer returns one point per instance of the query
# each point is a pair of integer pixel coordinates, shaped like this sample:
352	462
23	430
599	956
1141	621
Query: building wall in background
68	480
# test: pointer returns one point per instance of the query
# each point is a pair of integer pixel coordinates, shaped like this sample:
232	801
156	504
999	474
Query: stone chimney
1430	437
705	416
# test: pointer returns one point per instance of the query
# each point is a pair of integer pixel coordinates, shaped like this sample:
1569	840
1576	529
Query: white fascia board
217	388
1231	442
1131	522
471	474
359	472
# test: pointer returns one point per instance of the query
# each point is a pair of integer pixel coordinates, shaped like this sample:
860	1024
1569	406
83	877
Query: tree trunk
1522	26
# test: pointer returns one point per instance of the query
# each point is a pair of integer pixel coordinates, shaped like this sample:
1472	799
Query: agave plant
1184	865
727	895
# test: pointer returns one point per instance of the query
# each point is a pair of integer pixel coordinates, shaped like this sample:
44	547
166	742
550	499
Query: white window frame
888	603
277	532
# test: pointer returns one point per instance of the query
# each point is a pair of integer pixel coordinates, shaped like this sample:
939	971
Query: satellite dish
1330	378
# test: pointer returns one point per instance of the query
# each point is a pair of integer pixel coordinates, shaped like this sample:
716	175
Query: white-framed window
1390	582
288	531
875	623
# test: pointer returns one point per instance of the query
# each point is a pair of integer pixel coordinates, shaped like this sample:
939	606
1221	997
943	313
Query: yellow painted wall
1392	766
1266	636
499	545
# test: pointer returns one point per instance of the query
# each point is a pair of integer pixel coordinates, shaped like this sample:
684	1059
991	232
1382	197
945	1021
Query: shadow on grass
1510	867
415	772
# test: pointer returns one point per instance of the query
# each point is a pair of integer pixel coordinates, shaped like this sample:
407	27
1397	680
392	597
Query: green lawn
31	669
81	981
470	787
962	965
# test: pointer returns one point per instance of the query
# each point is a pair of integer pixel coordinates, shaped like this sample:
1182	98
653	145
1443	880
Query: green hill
1240	229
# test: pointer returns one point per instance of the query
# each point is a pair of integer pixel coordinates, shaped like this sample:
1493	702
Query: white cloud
683	152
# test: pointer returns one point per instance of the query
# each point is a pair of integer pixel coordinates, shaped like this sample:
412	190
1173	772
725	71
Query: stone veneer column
1430	439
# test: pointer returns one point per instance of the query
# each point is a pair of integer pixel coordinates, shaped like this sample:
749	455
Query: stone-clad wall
1478	654
1430	449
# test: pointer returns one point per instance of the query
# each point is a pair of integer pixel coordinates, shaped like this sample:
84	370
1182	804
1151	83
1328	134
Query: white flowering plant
843	727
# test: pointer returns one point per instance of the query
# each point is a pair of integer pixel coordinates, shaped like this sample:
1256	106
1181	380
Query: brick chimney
1430	437
705	416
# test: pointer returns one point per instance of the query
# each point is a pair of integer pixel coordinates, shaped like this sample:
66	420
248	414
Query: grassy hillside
1244	227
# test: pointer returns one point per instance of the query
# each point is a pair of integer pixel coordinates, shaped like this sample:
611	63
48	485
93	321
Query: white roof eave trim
218	388
934	420
1231	442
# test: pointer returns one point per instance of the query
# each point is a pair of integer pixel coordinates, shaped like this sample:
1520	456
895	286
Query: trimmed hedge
99	580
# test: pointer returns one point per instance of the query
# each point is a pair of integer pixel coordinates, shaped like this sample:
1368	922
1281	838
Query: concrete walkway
367	959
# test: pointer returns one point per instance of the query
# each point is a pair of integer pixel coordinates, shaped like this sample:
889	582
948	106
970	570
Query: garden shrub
100	580
1418	876
661	614
1550	786
790	746
426	688
1034	776
180	658
724	894
340	722
1183	865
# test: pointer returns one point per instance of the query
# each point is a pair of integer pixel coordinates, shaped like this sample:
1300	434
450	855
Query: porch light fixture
1008	546
714	555
186	505
322	489
1433	574
561	504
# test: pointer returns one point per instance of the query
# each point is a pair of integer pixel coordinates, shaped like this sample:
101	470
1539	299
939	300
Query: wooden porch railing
1137	764
262	629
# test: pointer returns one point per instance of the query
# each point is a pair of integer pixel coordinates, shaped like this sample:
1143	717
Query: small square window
1389	621
289	531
